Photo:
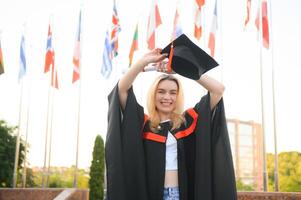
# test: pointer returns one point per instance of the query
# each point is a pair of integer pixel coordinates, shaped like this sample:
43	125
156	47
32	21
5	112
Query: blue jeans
171	193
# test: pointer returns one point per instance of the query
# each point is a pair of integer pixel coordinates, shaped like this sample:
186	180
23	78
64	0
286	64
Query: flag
22	61
49	60
134	46
265	24
198	19
177	29
106	68
154	21
115	31
248	12
1	61
200	3
76	53
211	43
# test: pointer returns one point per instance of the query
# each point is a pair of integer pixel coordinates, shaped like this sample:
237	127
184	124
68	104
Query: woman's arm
128	78
215	88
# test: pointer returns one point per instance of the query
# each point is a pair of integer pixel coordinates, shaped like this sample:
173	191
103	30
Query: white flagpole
45	178
274	104
15	176
52	86
265	181
79	100
26	136
44	175
50	134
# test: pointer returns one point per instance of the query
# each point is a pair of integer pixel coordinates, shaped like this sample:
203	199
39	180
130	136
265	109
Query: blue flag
106	68
22	70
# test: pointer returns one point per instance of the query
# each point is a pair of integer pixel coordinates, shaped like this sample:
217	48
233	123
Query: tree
289	170
96	182
7	154
243	187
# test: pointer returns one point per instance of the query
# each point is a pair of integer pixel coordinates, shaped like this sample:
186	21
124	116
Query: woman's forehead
168	84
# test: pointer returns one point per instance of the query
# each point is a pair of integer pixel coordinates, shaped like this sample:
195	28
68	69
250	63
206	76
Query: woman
162	155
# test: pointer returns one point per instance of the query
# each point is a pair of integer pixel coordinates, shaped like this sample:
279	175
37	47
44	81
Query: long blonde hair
176	117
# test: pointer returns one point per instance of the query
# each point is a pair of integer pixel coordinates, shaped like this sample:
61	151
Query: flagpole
21	76
50	133
265	181
79	100
52	86
15	176
276	172
44	176
26	137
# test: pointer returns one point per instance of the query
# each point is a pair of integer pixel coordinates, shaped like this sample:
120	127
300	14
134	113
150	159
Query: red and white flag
177	29
115	30
76	53
248	12
198	19
211	43
154	21
49	60
264	24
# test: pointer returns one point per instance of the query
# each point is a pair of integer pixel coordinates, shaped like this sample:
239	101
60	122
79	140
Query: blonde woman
169	154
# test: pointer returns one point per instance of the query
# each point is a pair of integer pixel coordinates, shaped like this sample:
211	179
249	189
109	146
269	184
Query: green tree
289	170
243	187
62	177
7	154
96	182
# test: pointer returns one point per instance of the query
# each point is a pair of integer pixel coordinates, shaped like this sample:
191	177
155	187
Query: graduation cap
187	59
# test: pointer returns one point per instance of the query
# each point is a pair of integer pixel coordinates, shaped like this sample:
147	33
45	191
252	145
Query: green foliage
243	187
7	154
62	177
96	181
289	171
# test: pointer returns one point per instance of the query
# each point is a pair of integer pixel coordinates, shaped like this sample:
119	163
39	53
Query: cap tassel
169	70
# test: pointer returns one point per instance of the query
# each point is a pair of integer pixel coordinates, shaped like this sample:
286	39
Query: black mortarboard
187	59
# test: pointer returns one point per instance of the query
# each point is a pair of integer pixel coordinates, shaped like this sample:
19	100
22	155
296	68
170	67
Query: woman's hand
153	56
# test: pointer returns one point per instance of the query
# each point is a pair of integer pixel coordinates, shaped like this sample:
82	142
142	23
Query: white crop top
171	156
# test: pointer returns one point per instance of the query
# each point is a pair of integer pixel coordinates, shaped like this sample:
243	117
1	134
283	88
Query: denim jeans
171	193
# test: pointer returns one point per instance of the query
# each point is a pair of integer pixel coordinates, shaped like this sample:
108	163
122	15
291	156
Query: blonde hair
176	117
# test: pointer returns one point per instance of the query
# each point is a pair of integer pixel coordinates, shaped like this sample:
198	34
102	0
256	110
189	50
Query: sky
237	52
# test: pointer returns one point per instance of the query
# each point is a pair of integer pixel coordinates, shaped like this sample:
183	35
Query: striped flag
76	53
1	61
49	60
177	29
211	43
198	19
154	21
115	31
22	70
265	24
134	46
106	68
248	12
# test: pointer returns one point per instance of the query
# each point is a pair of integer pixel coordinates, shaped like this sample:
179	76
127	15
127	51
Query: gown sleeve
124	154
214	172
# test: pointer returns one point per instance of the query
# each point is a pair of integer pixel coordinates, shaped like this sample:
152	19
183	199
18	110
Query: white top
171	157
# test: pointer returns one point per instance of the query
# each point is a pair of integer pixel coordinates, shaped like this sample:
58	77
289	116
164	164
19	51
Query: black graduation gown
135	157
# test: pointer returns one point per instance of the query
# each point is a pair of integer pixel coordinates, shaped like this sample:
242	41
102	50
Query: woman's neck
164	117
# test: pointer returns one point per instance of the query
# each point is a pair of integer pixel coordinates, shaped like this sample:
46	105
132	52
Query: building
247	151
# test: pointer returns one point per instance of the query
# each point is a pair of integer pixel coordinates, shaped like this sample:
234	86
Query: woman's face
166	96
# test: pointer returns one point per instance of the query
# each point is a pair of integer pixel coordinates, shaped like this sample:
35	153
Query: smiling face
165	98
